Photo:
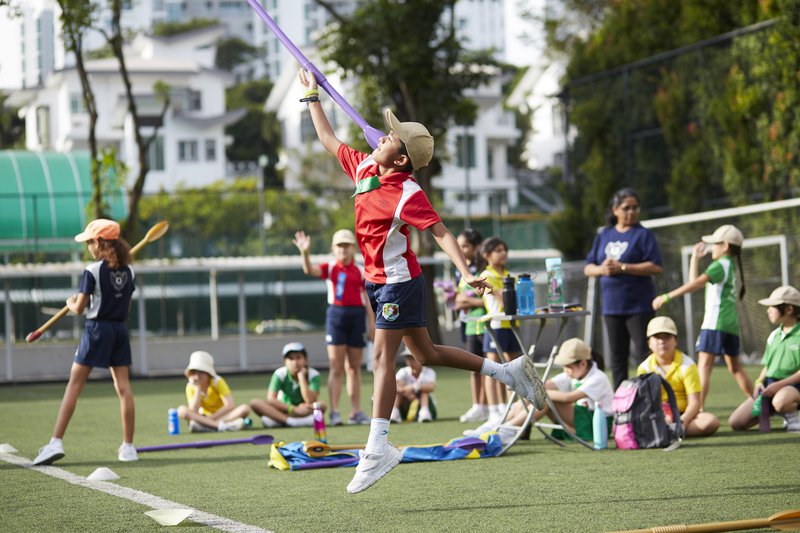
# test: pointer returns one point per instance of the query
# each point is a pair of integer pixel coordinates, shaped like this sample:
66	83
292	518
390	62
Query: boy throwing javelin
387	201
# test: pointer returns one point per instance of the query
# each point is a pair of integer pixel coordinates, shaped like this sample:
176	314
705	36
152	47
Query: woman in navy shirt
625	256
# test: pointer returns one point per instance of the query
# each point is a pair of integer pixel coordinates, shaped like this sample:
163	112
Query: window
76	106
187	150
211	150
43	126
307	131
465	144
155	154
195	101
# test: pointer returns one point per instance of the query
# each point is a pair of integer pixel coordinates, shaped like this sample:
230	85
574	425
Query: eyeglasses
629	208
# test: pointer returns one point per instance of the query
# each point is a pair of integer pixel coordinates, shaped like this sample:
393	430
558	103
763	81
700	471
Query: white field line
136	496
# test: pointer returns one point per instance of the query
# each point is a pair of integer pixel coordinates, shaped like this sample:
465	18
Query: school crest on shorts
119	280
391	312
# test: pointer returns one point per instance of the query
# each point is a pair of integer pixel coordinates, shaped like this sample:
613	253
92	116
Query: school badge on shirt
391	312
119	280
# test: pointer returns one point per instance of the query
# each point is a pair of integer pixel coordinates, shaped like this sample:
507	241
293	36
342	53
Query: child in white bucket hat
210	405
779	381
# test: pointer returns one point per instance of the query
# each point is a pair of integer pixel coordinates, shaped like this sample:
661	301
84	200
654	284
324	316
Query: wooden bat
153	234
785	520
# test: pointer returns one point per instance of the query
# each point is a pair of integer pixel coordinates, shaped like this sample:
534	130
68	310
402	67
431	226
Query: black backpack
639	420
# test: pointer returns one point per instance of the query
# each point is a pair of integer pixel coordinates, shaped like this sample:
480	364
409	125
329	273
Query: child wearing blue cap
292	392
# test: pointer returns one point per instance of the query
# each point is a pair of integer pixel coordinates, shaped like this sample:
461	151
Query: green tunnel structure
44	198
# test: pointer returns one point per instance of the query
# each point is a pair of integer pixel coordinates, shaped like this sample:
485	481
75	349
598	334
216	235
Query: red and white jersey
383	215
345	283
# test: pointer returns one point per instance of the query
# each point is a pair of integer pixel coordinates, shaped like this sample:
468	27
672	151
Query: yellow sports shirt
212	402
682	375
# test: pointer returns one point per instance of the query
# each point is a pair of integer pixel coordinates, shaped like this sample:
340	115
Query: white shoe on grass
526	380
476	413
197	427
127	453
373	466
424	415
269	422
792	421
49	454
396	417
300	421
232	425
490	425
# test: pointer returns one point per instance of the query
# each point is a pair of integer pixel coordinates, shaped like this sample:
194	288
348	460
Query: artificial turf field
536	486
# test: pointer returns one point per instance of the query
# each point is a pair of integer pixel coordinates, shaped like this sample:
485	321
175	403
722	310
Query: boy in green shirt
293	390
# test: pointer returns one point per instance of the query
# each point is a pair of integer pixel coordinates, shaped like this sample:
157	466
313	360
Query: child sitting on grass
293	390
210	405
778	384
415	386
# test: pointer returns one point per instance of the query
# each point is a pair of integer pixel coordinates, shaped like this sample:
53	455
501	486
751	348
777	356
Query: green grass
536	486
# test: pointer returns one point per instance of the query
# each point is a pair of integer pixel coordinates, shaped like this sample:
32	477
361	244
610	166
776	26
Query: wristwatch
623	267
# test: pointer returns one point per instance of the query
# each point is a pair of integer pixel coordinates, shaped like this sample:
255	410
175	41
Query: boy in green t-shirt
292	392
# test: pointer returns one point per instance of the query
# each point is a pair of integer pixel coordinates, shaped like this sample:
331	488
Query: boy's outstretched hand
302	241
479	284
307	79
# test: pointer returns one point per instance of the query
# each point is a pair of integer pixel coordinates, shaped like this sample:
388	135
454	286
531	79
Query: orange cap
101	228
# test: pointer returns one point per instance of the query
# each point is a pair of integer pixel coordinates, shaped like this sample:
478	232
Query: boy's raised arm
321	124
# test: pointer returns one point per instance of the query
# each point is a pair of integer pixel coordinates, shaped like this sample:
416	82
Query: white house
190	145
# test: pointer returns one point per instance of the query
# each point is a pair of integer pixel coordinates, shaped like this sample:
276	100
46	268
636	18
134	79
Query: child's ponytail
737	252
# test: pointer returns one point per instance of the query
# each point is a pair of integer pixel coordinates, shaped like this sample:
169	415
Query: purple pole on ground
258	439
372	135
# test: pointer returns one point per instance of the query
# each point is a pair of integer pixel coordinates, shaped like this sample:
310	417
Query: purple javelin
372	135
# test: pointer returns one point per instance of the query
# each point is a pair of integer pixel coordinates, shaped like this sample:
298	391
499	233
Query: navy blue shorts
345	326
474	345
717	343
767	383
508	342
104	343
398	305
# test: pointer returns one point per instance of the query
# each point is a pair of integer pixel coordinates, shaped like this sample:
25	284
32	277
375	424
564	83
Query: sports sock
378	435
54	440
497	371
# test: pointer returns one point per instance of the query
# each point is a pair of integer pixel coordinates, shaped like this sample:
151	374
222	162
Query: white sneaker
127	453
233	425
476	413
373	466
490	425
300	421
49	454
506	434
424	415
526	380
269	422
396	418
197	427
792	421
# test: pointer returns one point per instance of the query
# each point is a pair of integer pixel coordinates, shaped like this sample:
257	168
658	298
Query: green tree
12	129
232	52
168	29
406	55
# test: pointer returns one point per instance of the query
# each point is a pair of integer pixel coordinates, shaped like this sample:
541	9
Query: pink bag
623	425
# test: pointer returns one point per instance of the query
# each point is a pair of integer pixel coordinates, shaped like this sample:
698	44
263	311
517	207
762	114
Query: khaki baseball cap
785	294
343	236
201	361
418	141
662	324
572	351
727	233
100	228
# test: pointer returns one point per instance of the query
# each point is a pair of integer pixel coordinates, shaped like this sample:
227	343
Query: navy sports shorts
474	345
717	343
345	325
508	342
104	343
398	305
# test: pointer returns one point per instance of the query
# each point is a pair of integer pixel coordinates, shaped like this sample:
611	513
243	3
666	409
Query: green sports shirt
721	314
288	389
782	353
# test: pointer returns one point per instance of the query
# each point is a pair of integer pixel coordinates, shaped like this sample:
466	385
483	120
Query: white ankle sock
378	435
54	440
497	371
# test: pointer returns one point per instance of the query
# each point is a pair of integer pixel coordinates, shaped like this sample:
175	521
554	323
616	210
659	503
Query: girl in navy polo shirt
344	319
104	294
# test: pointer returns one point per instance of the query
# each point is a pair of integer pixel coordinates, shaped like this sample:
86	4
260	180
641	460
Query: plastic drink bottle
509	296
173	423
525	300
599	428
319	424
555	284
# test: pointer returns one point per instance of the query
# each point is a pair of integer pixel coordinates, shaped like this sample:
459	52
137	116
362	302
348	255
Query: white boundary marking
136	496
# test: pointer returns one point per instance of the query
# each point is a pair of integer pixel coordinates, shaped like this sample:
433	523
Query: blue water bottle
173	423
525	301
599	428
